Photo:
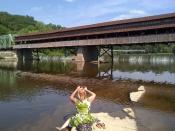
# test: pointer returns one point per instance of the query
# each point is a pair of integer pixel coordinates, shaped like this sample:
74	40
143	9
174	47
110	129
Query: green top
83	115
83	107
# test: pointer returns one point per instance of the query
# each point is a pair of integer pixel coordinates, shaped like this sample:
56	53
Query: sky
70	13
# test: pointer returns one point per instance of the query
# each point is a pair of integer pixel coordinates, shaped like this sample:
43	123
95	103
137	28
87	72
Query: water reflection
157	59
12	88
39	103
26	86
157	68
8	64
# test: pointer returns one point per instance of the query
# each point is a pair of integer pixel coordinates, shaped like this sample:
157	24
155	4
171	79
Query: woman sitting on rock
82	103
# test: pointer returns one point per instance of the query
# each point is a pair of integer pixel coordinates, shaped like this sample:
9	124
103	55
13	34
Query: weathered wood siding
161	38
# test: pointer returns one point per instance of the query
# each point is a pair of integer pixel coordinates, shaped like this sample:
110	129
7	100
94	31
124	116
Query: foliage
17	24
58	52
52	52
6	41
3	30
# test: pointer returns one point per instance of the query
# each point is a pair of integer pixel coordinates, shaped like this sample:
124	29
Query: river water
34	95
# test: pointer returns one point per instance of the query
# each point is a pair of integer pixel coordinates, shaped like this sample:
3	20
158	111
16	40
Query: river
34	96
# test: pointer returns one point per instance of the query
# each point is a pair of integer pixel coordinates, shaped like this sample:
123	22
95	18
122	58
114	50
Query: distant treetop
18	24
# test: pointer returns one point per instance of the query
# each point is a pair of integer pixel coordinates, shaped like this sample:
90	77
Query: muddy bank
117	91
156	96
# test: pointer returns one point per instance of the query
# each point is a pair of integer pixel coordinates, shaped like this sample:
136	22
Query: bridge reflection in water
156	68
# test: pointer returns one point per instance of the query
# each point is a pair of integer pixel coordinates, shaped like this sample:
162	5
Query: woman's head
82	93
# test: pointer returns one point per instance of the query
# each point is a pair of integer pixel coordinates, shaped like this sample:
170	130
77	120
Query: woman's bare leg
64	125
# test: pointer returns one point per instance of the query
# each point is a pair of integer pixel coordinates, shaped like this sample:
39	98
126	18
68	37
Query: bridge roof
56	33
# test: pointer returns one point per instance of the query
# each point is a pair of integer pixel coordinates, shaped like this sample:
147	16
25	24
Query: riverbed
35	95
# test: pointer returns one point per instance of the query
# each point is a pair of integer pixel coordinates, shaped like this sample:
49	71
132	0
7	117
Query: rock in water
135	96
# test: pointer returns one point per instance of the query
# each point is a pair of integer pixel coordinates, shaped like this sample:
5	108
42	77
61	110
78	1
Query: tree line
18	24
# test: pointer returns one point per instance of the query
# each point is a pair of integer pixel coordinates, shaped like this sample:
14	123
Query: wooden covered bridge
90	38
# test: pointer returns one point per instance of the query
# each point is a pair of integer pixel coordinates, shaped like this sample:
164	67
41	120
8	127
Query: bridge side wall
159	38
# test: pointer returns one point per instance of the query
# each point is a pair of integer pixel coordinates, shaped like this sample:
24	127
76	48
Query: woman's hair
81	91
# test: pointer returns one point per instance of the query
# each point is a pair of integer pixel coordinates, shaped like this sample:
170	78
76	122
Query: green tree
17	24
3	30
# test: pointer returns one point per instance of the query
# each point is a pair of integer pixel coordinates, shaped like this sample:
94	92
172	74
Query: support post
173	50
105	73
20	55
106	50
37	53
112	55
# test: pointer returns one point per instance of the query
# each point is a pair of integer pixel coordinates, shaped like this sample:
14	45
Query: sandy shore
116	123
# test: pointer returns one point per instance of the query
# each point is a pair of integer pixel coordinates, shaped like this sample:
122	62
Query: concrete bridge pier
24	55
173	50
87	54
19	54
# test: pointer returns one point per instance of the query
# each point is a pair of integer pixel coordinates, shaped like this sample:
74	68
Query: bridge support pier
24	55
173	50
19	54
87	53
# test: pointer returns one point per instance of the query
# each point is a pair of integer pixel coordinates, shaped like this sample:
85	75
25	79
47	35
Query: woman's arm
72	96
93	95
